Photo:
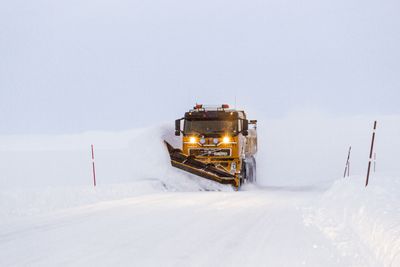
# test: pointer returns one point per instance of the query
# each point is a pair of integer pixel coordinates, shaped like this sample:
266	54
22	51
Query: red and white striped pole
93	167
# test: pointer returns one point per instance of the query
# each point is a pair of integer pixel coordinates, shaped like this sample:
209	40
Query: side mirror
245	130
178	127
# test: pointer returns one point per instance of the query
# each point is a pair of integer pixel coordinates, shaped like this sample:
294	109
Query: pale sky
73	66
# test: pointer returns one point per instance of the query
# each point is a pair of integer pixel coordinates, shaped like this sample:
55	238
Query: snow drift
371	216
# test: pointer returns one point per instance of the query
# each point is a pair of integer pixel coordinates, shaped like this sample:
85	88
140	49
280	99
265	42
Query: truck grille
207	152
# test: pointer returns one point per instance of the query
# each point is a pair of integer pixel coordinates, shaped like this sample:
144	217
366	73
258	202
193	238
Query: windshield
210	127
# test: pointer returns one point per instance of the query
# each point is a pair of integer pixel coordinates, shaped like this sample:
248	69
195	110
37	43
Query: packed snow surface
145	213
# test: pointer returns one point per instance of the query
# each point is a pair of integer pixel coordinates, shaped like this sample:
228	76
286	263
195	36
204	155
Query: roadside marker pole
347	168
93	167
370	154
375	162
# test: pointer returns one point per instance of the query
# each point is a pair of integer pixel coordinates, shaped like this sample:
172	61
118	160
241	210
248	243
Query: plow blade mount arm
194	166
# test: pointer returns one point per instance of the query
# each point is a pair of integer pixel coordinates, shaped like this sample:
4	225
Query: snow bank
370	215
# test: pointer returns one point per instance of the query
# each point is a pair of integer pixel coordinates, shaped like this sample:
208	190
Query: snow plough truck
218	143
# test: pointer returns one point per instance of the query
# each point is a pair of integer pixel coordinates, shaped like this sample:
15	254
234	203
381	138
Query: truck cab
219	137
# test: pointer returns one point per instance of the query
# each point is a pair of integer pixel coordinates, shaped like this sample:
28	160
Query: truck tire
251	169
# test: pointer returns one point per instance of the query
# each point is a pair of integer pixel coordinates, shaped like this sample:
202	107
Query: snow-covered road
267	227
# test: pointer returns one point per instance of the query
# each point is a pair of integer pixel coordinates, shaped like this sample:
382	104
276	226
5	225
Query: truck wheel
251	169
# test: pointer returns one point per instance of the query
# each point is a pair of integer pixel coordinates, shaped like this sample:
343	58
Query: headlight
216	141
193	140
202	141
226	140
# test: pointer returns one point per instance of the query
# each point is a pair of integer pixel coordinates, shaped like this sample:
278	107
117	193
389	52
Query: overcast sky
78	65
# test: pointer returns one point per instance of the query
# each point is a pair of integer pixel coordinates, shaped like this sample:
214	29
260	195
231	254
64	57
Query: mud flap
199	168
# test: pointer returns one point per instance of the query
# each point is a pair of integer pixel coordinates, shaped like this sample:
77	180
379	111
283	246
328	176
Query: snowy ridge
370	215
